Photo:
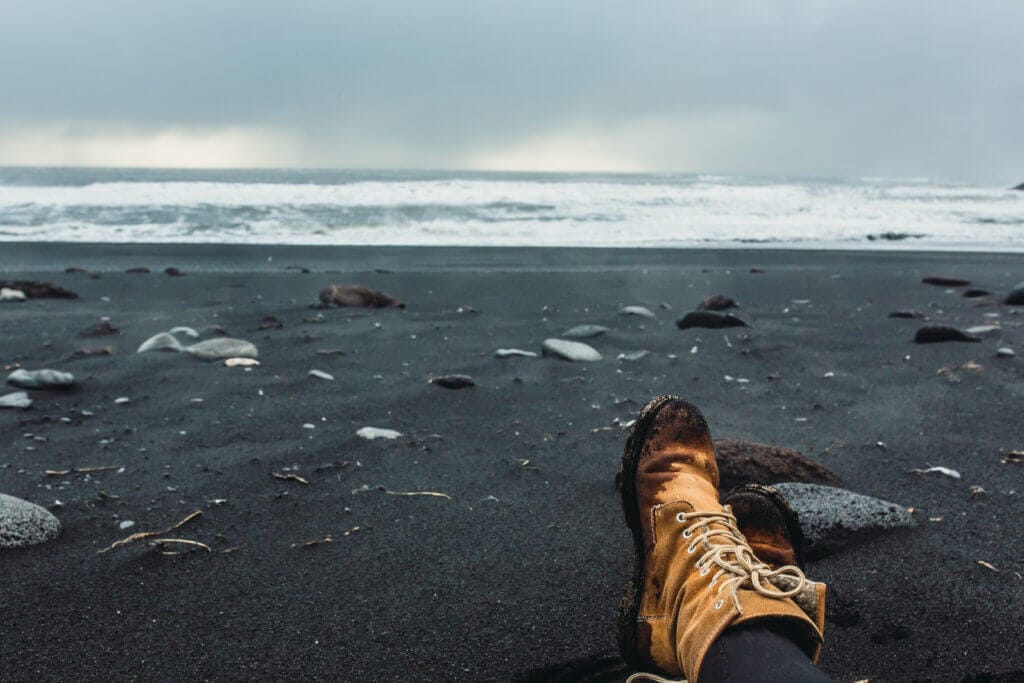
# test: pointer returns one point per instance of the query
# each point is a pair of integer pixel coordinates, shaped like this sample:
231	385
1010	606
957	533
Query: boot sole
629	607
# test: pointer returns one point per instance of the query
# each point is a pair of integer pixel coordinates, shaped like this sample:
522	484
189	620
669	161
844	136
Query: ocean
504	209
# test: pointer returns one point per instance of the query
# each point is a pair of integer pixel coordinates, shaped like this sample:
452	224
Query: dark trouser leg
757	653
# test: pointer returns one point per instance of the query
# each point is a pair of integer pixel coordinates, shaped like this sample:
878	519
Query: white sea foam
559	210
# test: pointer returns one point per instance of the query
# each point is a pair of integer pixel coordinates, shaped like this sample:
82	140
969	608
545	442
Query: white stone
585	331
41	379
241	362
1004	351
11	294
122	400
372	433
642	311
18	399
187	331
125	524
222	347
320	374
23	523
570	350
508	353
633	355
160	342
982	330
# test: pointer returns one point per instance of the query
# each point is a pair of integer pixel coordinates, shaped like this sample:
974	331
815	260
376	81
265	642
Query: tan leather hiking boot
695	574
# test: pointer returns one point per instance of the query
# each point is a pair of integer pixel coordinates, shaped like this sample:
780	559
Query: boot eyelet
704	571
718	605
688	533
680	518
692	548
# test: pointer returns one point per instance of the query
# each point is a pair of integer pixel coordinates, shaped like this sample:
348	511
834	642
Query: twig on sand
142	535
80	470
437	494
309	544
161	542
290	477
988	566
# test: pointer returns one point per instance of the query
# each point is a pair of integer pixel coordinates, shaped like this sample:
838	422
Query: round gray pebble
23	523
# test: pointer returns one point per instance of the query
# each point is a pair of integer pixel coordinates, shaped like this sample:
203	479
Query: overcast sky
845	87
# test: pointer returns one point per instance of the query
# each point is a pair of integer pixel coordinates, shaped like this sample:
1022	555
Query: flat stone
909	315
942	281
19	399
222	347
454	381
976	293
11	294
585	331
100	329
832	518
717	302
570	350
983	330
240	362
38	290
320	374
633	355
641	311
933	334
41	379
371	433
742	462
510	353
706	319
160	342
1005	352
23	523
187	331
1016	295
358	296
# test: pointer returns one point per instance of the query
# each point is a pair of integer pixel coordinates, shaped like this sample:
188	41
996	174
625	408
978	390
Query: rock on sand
641	311
359	296
742	462
222	347
717	302
932	334
18	399
41	379
453	381
1016	295
714	321
160	342
585	331
23	523
831	518
510	353
371	433
11	294
570	350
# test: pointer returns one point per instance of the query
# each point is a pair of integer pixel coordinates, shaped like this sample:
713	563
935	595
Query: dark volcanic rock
831	518
742	462
173	272
454	381
39	290
714	321
356	295
93	352
1020	187
717	302
931	334
271	322
1014	298
138	270
975	293
906	314
75	269
941	281
100	329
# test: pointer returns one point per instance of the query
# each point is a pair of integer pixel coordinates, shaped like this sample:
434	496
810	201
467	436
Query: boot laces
737	566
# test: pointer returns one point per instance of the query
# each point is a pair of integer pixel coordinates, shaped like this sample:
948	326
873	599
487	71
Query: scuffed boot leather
695	574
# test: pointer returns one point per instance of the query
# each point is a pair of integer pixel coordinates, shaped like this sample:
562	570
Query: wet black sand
521	570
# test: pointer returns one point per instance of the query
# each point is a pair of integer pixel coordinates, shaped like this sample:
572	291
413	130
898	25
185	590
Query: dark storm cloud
793	87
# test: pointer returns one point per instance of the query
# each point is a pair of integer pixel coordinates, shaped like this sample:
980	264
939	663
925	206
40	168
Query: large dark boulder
1016	295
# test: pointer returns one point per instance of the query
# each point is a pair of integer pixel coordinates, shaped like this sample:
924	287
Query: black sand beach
519	573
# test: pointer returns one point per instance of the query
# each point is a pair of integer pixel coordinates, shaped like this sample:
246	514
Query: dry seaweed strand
289	477
436	494
160	542
142	535
80	470
317	541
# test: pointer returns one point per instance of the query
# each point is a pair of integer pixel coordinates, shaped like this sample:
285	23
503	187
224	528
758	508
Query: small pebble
1005	352
122	400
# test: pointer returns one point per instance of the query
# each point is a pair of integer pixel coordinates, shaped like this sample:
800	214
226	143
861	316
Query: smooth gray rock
23	523
41	379
222	347
633	355
18	399
1016	295
164	341
1005	352
570	350
832	518
641	311
585	331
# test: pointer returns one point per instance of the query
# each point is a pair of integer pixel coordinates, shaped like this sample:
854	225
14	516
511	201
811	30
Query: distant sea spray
443	208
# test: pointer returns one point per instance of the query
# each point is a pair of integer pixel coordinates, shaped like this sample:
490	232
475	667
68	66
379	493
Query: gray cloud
788	87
